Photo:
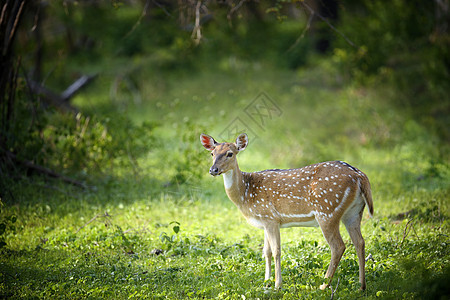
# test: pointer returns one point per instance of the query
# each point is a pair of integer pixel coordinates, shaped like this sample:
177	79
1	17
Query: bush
398	45
68	144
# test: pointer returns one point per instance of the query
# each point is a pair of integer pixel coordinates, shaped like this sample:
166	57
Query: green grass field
155	225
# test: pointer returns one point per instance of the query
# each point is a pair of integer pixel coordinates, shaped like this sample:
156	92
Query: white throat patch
228	179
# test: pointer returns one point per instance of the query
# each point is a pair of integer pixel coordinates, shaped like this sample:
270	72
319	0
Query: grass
156	225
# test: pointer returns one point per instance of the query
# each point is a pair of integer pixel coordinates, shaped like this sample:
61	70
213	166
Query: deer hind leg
353	226
334	239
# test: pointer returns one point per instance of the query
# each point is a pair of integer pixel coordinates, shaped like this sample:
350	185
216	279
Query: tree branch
328	23
197	33
233	10
308	25
138	22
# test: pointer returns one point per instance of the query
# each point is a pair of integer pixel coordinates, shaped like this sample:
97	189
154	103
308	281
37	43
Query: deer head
224	154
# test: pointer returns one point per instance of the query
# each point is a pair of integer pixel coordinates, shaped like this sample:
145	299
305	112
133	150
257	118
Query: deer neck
234	185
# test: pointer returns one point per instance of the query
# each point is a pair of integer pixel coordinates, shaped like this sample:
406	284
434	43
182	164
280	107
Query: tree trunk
10	15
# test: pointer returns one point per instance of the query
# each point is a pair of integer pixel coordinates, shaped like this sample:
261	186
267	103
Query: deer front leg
273	235
267	255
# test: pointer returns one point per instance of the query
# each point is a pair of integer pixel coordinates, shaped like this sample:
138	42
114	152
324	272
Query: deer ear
242	142
208	142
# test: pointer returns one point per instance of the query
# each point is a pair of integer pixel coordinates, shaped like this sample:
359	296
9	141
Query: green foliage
76	144
82	144
121	241
397	44
403	36
7	224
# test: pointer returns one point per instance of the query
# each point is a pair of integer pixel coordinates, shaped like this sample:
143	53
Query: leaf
175	228
2	228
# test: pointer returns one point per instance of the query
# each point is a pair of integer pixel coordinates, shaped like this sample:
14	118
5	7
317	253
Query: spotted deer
317	195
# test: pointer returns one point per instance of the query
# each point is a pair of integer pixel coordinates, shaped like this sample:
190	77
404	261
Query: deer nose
214	171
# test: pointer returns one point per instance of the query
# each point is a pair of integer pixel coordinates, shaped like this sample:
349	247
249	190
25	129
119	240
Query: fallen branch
50	97
61	100
76	86
48	186
43	170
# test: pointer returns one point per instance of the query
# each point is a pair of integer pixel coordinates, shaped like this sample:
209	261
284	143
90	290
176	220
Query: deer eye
230	154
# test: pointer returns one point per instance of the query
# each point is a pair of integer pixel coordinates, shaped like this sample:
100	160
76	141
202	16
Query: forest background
104	185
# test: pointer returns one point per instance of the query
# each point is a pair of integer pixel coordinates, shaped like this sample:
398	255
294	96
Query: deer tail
367	193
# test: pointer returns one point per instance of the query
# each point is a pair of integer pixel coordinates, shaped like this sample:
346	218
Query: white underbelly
310	223
258	224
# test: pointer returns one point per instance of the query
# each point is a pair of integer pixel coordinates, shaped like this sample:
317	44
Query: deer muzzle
214	171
